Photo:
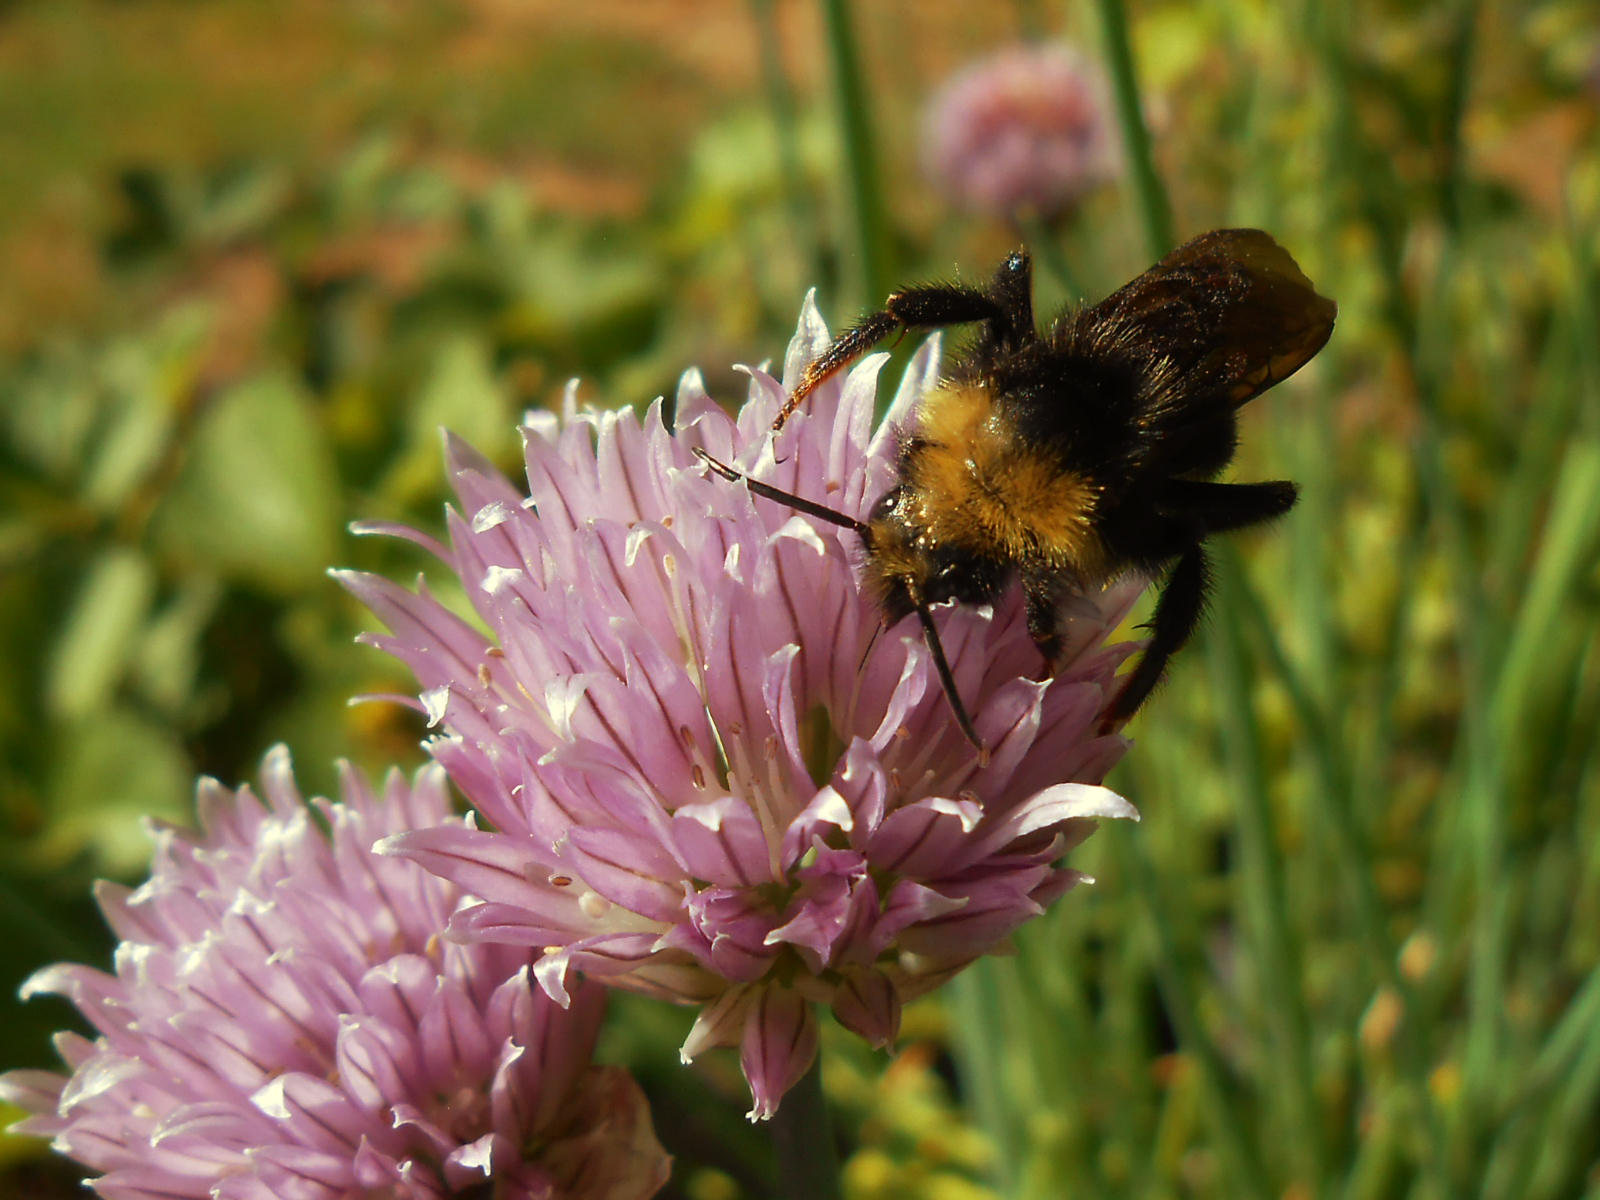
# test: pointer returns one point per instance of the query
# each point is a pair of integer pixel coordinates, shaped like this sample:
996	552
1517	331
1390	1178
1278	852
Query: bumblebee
1066	458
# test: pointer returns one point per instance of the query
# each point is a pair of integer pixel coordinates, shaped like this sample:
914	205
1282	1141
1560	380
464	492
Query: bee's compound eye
888	505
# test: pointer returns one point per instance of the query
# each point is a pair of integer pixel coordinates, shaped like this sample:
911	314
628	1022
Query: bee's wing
1231	310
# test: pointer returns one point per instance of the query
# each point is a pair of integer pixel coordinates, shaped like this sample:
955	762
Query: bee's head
898	560
907	559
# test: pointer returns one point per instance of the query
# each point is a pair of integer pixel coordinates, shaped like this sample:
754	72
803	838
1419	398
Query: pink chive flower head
707	772
284	1020
1025	131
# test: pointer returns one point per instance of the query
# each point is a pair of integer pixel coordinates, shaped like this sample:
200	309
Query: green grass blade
868	249
1155	210
1265	903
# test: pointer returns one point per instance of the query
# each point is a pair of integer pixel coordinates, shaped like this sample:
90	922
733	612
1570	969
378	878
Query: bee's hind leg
1179	608
1042	593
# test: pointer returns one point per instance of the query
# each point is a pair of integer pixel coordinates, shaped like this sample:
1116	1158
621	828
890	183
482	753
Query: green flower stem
1332	805
1525	1140
786	126
1265	901
1542	650
1308	582
1476	838
981	1042
1222	1110
1571	1117
1154	208
1566	552
1585	312
1469	843
867	248
1463	41
808	1159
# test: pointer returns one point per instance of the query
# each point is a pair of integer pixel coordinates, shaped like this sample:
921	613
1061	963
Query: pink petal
632	871
375	1061
486	864
721	841
778	1047
720	1023
925	839
867	1003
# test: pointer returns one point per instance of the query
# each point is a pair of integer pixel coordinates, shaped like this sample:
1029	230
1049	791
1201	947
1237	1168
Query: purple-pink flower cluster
705	770
1025	131
284	1020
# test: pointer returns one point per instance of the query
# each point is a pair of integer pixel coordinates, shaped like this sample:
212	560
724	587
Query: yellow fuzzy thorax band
978	485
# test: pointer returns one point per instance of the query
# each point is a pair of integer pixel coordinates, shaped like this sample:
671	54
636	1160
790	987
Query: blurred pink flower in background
1026	131
284	1020
707	771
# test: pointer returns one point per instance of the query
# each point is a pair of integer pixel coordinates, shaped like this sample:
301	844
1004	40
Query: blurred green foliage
1351	951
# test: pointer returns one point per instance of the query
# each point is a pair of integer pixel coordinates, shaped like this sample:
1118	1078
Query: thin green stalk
808	1159
1124	1031
1565	554
1310	551
1026	1043
1510	1164
1513	523
1266	902
1570	1121
1222	1112
1377	204
1478	765
981	1043
1332	807
1509	663
786	129
1372	1174
1463	41
1585	312
867	246
1155	210
1051	1040
1367	790
1579	1024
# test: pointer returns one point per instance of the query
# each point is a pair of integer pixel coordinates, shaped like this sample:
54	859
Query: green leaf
257	499
49	409
138	413
462	395
168	656
112	771
100	633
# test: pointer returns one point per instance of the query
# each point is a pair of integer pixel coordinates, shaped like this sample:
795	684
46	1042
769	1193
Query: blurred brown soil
591	104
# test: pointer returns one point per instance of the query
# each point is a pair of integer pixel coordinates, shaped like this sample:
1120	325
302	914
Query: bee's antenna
799	503
871	642
942	664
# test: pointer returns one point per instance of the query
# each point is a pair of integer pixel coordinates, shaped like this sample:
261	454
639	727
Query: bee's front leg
911	308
